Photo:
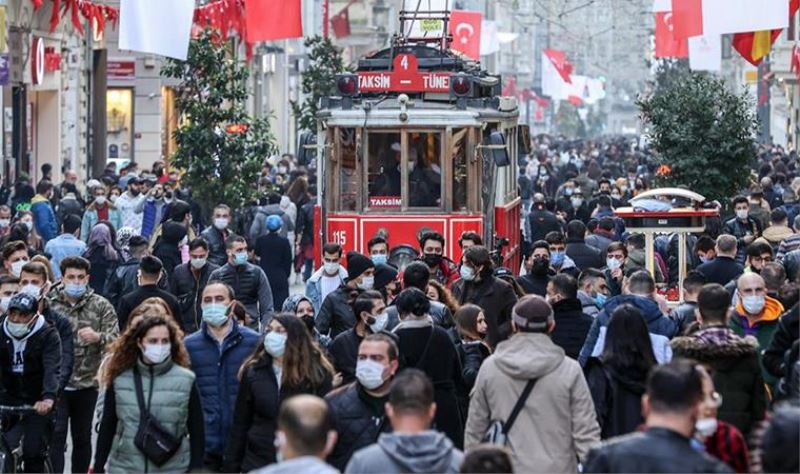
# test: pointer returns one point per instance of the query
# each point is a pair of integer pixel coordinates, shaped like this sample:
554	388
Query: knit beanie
357	264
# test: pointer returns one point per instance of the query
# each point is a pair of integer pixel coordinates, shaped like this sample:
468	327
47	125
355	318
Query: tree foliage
220	147
568	122
319	79
702	132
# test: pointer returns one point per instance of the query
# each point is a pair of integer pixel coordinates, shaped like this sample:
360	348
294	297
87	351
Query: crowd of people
147	341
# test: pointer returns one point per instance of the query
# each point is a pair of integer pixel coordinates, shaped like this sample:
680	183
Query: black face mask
540	266
308	320
432	259
135	192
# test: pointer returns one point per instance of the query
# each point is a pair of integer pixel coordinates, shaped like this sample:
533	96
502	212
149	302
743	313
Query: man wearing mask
378	250
95	324
249	283
616	257
756	314
152	209
15	256
745	228
593	291
443	270
43	215
327	278
217	351
5	220
537	264
370	310
128	202
99	210
217	233
336	313
578	208
188	282
559	261
358	409
540	221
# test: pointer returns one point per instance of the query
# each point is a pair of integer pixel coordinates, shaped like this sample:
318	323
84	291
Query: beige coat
558	424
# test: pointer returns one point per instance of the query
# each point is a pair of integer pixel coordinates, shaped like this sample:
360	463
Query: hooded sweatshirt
429	451
18	364
557	424
301	465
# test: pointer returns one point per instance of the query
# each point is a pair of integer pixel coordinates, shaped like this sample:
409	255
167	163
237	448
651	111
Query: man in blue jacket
43	216
641	287
217	351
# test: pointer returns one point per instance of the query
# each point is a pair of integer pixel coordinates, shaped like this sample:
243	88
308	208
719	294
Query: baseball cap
532	313
24	303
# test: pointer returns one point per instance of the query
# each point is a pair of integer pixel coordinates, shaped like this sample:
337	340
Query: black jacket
344	352
740	229
130	301
654	450
336	313
721	270
684	316
275	254
471	355
41	371
66	335
787	332
216	245
572	326
358	419
251	287
617	396
188	290
305	223
496	298
535	284
737	377
124	280
584	255
100	272
542	222
251	444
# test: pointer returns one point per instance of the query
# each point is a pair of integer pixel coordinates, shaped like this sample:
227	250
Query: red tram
419	138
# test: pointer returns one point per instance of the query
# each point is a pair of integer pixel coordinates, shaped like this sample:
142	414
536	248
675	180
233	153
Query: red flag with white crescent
667	45
465	27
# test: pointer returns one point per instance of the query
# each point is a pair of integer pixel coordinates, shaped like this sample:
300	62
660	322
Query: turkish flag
687	18
465	26
667	46
341	23
268	20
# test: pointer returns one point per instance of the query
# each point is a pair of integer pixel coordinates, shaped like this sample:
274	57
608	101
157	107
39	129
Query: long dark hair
303	360
627	343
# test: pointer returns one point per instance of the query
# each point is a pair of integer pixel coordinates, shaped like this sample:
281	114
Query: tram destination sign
405	76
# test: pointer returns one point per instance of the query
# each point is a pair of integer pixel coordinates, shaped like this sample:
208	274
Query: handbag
153	440
497	433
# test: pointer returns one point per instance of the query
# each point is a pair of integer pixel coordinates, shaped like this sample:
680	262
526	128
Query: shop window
119	130
383	171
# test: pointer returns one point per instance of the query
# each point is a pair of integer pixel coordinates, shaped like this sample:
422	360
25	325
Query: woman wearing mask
617	378
150	361
102	253
286	363
114	193
301	306
24	230
479	286
472	351
101	209
429	348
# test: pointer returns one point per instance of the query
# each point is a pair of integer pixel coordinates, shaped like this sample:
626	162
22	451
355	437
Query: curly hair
303	360
126	349
445	297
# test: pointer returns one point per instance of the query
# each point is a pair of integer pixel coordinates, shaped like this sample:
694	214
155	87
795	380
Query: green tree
568	122
319	79
220	147
702	132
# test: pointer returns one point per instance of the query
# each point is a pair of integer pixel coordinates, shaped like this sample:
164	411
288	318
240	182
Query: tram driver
423	182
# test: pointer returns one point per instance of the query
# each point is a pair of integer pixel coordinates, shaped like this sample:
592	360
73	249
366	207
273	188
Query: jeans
35	430
76	409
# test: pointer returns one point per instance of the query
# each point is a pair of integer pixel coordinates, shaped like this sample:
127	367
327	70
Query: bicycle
11	459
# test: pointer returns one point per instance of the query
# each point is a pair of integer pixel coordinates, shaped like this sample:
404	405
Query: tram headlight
347	84
460	85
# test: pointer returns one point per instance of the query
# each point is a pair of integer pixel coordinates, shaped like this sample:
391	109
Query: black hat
24	303
137	241
134	180
384	274
357	264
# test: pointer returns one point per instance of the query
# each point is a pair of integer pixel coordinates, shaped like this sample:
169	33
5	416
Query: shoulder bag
153	440
497	433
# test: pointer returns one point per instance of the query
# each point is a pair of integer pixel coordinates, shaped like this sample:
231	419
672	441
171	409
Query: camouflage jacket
94	311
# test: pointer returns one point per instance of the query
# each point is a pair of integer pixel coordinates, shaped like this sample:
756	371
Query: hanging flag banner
156	26
465	26
705	53
755	45
687	18
490	41
556	71
268	20
667	45
736	16
341	23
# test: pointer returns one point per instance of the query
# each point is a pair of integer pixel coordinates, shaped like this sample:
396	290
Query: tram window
424	169
348	171
459	155
383	170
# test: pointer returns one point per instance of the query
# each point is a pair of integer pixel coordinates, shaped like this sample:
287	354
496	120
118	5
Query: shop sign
52	59
121	70
37	61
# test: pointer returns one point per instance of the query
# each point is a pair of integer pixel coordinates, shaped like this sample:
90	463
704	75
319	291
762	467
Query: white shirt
328	284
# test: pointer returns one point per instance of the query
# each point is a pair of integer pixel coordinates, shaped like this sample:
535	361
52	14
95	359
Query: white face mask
369	374
331	268
754	304
28	224
31	289
221	223
380	322
741	214
156	353
4	301
706	427
367	283
275	343
16	267
198	263
100	200
5	223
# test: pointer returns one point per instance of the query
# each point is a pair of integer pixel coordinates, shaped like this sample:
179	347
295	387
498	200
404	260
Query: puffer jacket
41	366
217	368
557	425
585	256
358	422
44	218
617	396
94	311
188	290
657	323
216	245
251	287
151	215
735	370
572	325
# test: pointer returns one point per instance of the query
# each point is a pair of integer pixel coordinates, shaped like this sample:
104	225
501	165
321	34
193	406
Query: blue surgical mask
240	258
275	343
215	314
75	290
557	258
613	263
704	259
600	300
19	330
379	258
467	273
